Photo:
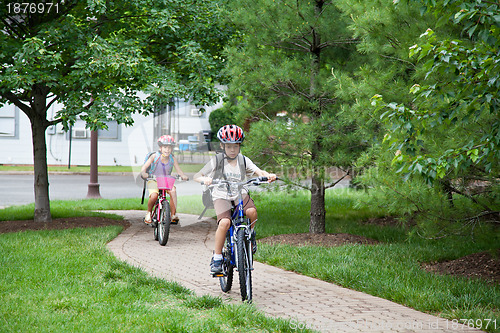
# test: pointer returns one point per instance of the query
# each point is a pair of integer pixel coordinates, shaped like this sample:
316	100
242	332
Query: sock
218	256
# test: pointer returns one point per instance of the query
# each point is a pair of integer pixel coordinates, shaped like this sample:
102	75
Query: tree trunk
39	125
317	223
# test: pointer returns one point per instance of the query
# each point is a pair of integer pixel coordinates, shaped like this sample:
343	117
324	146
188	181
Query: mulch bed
61	223
477	265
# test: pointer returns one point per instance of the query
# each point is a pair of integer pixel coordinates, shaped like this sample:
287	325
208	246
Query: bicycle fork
247	244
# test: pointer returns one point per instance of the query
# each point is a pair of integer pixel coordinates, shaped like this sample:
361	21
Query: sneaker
215	266
254	242
175	219
147	218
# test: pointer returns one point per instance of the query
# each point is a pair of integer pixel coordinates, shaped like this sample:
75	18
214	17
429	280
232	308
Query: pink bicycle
160	218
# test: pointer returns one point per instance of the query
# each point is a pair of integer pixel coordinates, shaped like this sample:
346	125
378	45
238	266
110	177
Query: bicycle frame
161	218
238	220
162	197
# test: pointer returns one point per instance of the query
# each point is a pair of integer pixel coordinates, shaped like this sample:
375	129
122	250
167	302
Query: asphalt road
17	189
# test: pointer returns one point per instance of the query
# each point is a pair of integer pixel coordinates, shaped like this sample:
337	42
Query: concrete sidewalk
308	302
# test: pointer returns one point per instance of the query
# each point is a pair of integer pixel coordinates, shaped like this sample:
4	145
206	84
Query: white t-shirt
231	173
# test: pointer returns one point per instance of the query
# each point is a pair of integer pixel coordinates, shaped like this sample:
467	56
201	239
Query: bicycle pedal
216	275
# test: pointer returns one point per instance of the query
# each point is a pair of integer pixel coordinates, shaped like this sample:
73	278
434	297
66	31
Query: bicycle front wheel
226	281
164	224
243	265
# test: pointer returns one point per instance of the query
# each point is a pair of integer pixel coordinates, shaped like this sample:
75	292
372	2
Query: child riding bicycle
233	167
160	164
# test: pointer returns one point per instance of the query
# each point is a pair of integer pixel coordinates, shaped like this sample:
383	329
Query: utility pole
93	192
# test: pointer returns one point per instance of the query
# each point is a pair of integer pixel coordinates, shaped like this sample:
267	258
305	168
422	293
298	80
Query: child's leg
151	201
173	201
223	211
251	213
220	234
250	210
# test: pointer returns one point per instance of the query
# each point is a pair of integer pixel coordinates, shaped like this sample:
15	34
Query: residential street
17	188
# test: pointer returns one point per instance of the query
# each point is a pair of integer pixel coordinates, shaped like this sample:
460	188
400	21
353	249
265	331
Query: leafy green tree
449	132
94	56
220	117
283	65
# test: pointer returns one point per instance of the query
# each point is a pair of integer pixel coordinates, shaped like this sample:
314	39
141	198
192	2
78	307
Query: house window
112	133
8	121
80	132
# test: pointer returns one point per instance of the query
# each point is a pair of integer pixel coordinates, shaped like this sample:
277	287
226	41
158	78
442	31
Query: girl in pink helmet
161	164
231	167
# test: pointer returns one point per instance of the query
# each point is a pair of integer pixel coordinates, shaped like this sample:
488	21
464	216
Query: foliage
220	117
438	140
450	130
92	55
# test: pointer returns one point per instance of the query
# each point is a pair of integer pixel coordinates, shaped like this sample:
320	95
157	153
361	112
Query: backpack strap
154	163
242	161
219	166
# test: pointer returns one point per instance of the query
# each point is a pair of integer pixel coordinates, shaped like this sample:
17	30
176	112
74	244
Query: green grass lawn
68	281
389	270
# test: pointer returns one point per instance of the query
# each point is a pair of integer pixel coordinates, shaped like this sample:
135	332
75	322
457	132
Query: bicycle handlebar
177	178
254	181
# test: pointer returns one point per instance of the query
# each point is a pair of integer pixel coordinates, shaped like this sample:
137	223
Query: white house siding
128	145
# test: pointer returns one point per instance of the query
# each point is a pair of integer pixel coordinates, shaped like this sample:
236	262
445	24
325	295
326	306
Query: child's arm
202	175
270	176
178	169
146	165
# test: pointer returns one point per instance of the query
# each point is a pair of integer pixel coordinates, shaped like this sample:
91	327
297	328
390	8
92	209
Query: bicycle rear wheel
164	224
243	265
226	281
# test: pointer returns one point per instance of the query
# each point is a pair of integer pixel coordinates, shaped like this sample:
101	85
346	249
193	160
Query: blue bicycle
237	251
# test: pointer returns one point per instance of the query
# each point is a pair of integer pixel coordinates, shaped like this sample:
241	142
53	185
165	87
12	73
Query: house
118	145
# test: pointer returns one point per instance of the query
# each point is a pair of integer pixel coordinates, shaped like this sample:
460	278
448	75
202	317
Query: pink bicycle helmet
166	140
230	134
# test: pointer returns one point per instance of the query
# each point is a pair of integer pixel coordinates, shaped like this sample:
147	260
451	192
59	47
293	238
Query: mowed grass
67	281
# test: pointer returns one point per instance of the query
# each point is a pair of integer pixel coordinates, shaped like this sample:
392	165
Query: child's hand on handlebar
271	177
207	181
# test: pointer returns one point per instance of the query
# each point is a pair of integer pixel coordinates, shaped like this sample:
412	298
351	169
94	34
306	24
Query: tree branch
338	181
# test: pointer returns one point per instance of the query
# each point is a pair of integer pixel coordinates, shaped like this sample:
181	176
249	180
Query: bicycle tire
154	221
226	281
164	224
243	265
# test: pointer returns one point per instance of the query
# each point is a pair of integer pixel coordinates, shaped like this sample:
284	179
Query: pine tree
288	68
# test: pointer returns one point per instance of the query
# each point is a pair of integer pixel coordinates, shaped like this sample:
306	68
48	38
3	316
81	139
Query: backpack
152	167
149	170
219	173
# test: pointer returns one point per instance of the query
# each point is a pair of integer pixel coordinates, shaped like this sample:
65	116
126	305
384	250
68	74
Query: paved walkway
307	301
